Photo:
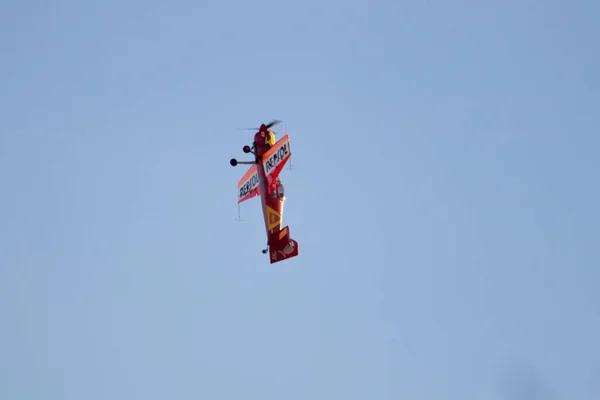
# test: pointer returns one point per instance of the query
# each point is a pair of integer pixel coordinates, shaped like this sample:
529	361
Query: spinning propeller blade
270	124
274	122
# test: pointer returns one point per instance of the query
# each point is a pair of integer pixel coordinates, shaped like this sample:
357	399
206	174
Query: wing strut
239	217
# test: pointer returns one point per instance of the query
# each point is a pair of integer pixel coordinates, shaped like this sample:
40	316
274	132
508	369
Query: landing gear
246	149
265	251
235	162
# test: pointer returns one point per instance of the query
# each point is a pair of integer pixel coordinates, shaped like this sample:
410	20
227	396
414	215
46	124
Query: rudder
283	247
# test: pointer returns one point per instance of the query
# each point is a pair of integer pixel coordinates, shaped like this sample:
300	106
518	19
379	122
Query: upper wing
276	157
248	185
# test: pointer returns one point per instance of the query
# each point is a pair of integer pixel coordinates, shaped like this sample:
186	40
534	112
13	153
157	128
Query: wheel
246	149
233	162
264	251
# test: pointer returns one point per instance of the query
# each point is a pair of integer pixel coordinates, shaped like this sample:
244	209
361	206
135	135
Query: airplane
262	179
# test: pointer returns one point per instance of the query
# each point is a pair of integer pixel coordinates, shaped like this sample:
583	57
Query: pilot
280	190
277	189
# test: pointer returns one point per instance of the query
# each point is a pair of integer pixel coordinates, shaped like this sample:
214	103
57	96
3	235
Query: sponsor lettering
248	186
276	158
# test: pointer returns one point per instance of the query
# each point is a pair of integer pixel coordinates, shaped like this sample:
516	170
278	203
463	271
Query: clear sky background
444	194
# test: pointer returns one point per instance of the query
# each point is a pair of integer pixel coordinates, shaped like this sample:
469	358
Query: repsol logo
249	185
276	157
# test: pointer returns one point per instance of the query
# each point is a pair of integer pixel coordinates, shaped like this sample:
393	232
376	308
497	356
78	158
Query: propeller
269	125
274	122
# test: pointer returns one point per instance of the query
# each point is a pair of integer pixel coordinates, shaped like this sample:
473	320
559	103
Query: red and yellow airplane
263	179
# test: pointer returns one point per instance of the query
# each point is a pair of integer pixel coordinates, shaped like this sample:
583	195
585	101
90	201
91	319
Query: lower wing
248	185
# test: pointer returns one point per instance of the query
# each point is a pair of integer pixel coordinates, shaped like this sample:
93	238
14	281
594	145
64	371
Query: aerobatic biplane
262	179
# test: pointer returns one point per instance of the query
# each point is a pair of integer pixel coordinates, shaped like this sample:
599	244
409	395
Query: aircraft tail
282	246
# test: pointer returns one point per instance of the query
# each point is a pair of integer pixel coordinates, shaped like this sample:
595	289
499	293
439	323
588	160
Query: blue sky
444	196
